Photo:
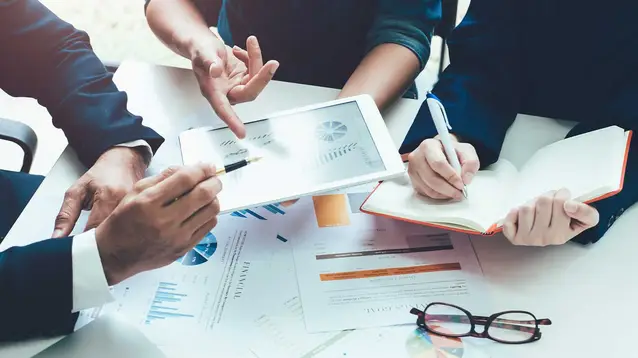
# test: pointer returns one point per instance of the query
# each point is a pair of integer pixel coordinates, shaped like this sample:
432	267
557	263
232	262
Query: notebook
591	166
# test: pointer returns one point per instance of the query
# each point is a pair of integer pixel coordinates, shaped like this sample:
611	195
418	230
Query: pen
442	125
234	166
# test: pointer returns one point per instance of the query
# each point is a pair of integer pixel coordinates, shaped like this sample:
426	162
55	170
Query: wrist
133	158
198	44
115	269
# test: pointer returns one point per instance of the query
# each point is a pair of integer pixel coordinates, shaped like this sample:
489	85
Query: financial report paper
357	271
236	294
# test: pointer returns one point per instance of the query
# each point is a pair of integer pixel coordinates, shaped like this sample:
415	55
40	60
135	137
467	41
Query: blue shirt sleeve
47	59
409	23
479	89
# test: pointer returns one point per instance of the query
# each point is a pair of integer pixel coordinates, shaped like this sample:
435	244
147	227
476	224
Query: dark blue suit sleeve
36	290
613	207
479	89
407	23
47	59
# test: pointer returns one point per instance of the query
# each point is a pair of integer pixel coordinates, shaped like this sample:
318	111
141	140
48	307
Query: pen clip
435	99
447	121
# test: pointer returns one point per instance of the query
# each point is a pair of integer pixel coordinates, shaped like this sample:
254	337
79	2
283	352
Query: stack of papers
313	278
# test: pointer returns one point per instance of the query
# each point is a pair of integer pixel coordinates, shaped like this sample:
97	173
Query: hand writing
433	176
160	220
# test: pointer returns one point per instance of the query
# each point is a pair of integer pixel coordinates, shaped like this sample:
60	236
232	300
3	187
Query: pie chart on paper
201	253
423	345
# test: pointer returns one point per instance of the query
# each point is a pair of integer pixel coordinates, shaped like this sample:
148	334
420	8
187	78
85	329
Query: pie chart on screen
421	344
331	131
201	253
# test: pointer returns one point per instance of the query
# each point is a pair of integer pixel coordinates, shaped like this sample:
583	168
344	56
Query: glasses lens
512	327
447	320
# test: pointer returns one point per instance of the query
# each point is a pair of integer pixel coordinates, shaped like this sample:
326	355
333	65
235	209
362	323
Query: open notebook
591	166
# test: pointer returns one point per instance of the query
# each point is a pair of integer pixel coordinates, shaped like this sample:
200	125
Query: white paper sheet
244	300
357	271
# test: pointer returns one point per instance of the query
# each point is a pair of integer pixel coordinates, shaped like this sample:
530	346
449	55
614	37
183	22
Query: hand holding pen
442	167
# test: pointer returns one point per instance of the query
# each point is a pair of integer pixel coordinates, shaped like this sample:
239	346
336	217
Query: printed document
357	271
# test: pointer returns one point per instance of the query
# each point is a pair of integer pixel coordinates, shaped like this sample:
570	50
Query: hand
433	176
227	76
100	189
551	219
163	218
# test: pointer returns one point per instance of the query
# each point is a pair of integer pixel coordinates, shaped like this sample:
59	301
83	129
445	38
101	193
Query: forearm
385	73
179	25
36	287
48	59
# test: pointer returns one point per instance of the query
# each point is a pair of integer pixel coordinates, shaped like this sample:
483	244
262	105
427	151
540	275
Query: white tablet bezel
381	138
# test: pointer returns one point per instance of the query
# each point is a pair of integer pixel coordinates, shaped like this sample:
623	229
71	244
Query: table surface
574	286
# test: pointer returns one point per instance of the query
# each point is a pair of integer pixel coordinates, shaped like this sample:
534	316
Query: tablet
305	151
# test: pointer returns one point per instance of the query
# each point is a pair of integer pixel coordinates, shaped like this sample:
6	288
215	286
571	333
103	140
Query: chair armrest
22	135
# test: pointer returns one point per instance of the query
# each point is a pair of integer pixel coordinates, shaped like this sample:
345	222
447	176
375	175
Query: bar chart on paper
169	303
263	212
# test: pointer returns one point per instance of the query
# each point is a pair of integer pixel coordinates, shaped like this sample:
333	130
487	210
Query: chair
22	135
449	10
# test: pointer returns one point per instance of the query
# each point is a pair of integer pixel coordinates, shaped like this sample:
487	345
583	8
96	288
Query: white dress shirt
90	288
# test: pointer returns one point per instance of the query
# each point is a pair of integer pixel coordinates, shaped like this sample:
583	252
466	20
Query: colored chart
331	131
423	345
166	303
331	210
201	253
272	209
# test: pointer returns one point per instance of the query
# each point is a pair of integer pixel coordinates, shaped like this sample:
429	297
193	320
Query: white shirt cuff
148	151
90	288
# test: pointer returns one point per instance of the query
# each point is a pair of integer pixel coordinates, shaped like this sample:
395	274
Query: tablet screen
299	152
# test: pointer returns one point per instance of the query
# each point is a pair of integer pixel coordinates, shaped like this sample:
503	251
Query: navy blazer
46	58
558	59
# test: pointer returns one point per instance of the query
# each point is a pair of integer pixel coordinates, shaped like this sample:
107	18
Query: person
373	47
504	63
134	225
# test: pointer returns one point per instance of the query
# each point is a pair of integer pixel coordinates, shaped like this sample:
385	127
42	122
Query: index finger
225	111
180	183
438	162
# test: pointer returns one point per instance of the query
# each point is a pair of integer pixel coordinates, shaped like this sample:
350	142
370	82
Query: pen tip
254	159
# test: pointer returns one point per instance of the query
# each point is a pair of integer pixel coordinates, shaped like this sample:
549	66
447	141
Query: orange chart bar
389	272
331	210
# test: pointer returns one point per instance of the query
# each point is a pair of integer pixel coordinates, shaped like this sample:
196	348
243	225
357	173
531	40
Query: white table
587	291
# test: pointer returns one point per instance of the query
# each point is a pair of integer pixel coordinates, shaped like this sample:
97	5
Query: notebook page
487	195
584	164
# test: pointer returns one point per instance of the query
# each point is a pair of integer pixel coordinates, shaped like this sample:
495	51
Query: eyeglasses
510	327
